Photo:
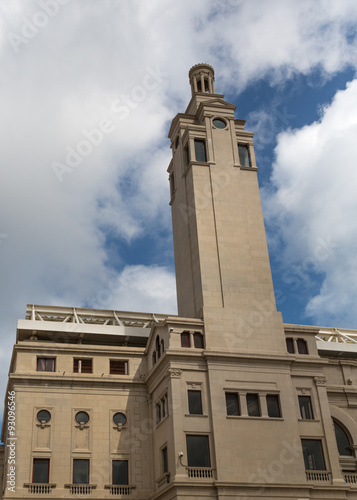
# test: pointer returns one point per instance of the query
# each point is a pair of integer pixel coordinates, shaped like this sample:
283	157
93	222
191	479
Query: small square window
118	367
306	408
185	339
120	472
41	470
82	365
194	402
290	345
302	346
273	405
80	471
46	364
313	455
253	405
232	403
198	340
244	158
200	150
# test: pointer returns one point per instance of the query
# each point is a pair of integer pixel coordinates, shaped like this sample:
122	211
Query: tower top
201	78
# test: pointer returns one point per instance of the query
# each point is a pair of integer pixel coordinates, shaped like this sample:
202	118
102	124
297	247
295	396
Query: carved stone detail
320	381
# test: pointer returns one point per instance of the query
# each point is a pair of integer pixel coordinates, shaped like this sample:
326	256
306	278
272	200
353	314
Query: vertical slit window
290	345
198	340
185	339
243	152
273	405
253	405
232	403
200	150
165	464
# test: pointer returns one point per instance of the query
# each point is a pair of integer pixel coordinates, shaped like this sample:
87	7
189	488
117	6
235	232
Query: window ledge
308	420
253	169
196	415
247	417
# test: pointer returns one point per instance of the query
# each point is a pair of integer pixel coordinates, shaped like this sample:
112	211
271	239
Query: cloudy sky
91	226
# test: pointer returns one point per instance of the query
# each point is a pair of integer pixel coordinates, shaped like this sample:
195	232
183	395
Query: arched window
344	441
158	351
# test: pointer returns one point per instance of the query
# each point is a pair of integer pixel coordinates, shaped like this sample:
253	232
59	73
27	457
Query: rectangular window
80	471
194	402
165	465
41	470
198	451
232	403
200	150
253	405
306	408
46	364
172	184
302	346
243	152
82	365
118	367
120	472
198	341
273	405
185	339
162	409
313	455
186	155
290	345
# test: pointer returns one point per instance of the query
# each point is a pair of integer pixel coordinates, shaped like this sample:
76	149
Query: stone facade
223	401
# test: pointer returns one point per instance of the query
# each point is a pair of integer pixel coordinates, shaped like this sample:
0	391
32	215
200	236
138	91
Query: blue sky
94	229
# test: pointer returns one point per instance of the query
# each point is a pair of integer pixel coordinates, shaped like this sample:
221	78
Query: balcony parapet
40	488
318	475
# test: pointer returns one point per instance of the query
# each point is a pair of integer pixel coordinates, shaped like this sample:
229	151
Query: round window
119	419
82	417
218	123
43	416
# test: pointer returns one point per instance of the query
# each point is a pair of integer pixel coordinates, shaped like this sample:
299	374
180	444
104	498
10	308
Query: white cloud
314	207
64	79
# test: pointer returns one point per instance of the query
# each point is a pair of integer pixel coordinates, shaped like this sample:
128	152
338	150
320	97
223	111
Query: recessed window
153	357
120	472
200	150
41	470
177	142
199	85
82	417
243	151
218	123
306	408
186	155
302	346
82	365
273	405
185	339
290	345
162	409
162	346
313	455
343	441
46	364
194	402
198	451
198	340
119	419
43	416
232	403
165	464
253	405
80	471
118	367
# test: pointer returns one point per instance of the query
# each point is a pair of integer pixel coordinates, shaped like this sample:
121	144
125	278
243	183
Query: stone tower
222	264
